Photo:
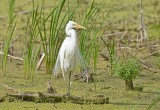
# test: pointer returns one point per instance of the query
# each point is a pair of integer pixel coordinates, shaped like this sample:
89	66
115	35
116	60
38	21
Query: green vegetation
127	69
50	39
35	26
154	103
31	50
9	34
51	49
111	50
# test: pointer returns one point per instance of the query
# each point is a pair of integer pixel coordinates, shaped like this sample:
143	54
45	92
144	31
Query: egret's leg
63	76
69	84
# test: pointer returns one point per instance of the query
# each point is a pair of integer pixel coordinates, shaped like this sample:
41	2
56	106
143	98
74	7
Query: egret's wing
57	67
59	62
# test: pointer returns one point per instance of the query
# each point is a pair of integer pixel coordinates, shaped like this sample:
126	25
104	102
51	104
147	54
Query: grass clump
127	70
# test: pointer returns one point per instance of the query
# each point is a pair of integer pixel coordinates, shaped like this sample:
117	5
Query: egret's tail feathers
57	68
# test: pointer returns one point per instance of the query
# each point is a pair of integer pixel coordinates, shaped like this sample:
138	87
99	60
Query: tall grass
9	34
37	29
50	39
52	42
31	49
89	41
58	19
111	50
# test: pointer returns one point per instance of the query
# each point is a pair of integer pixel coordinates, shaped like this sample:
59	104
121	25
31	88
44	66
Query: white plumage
69	55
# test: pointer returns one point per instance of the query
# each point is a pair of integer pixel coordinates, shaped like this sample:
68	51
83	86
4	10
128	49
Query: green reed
9	34
89	41
31	50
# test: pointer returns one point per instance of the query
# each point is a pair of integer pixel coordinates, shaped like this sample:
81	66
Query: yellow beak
79	26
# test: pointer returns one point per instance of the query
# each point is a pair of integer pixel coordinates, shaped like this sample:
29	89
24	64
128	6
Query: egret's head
74	25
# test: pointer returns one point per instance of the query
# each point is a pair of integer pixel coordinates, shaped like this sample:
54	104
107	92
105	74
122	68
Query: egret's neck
73	34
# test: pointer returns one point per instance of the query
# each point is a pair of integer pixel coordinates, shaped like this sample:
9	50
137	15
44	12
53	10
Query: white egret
69	55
